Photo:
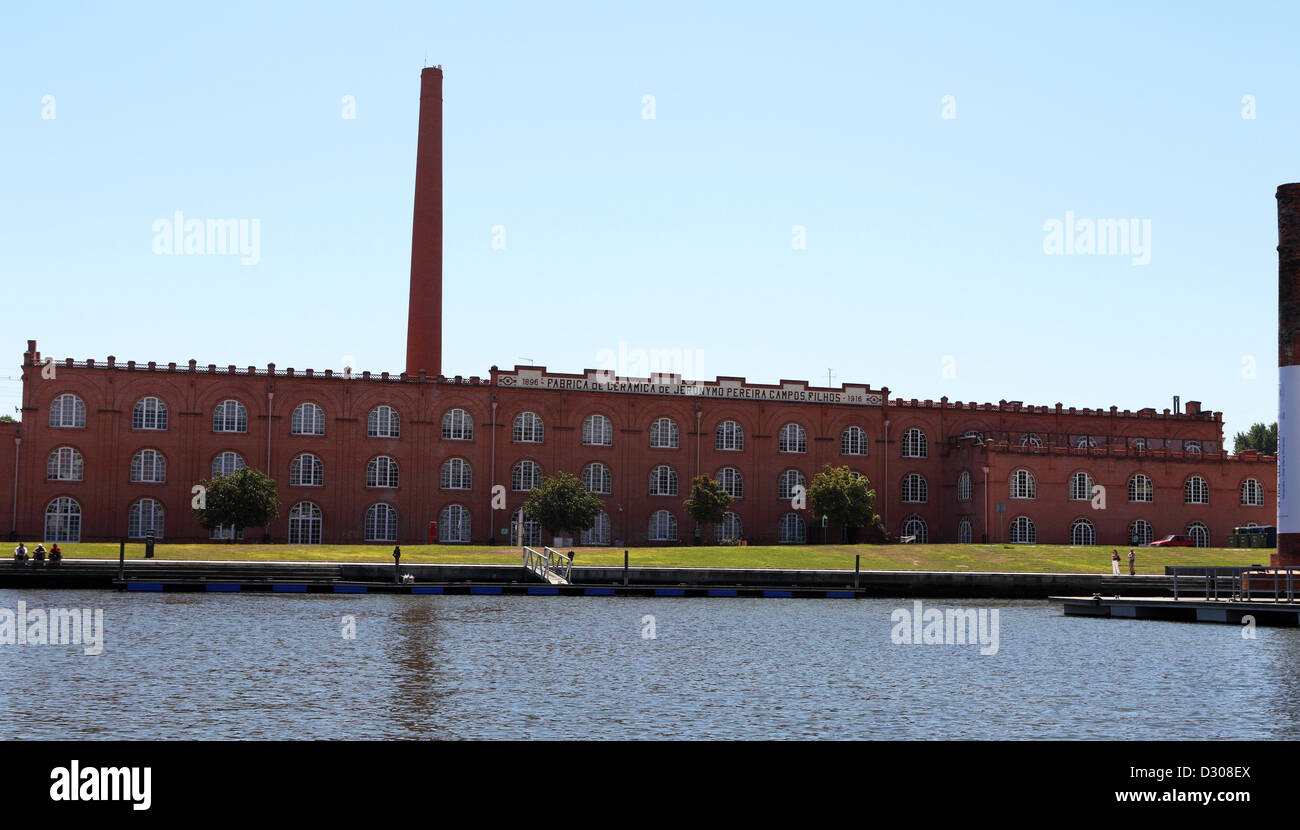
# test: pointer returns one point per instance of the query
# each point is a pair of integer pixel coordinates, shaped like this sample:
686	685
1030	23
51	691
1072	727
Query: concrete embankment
177	574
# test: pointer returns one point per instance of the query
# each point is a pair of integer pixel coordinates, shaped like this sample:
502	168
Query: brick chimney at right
1288	376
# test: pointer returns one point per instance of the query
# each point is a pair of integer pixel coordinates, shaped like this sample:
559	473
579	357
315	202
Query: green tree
708	503
245	498
842	497
8	419
562	505
1260	437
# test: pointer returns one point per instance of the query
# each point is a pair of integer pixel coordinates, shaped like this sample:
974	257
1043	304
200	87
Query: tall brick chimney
424	315
1288	372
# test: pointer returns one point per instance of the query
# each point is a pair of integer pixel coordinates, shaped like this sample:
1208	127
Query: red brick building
114	450
108	450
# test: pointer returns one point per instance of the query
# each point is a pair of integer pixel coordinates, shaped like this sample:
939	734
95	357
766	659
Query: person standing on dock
1131	561
397	568
1114	562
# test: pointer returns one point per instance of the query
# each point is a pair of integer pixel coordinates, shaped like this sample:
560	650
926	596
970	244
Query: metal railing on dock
1246	584
549	564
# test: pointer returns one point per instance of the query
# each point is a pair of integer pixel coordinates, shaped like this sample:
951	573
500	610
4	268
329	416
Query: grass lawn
1024	558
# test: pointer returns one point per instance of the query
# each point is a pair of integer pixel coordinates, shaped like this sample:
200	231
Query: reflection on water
279	666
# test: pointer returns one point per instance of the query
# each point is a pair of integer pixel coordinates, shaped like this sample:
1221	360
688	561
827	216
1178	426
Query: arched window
732	482
525	475
381	471
729	436
532	530
1141	530
458	426
790	529
915	444
1252	494
63	520
381	523
1031	440
456	475
963	486
1192	446
915	489
1023	485
1081	487
528	428
382	422
225	533
308	419
1199	533
598	533
1023	531
729	529
1085	442
597	478
64	464
597	431
1083	533
226	463
230	416
149	413
1141	489
663	526
145	515
1139	444
853	441
305	524
792	438
663	434
306	471
789	480
67	411
663	481
964	532
916	527
453	524
1196	491
150	466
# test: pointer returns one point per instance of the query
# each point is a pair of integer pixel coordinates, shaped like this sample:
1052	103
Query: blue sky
924	268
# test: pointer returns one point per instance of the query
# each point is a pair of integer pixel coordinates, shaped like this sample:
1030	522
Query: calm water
249	666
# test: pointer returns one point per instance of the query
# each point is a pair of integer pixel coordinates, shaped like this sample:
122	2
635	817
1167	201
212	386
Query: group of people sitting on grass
38	556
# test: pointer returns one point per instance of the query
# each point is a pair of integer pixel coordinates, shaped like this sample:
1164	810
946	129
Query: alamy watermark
946	627
54	627
625	362
1126	237
209	237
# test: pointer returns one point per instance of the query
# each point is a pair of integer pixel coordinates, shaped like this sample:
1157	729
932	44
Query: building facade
108	450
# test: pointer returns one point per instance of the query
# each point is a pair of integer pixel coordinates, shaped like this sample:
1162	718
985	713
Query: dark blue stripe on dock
781	594
349	589
288	589
144	586
839	595
427	589
213	586
485	589
547	591
598	592
669	592
721	592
